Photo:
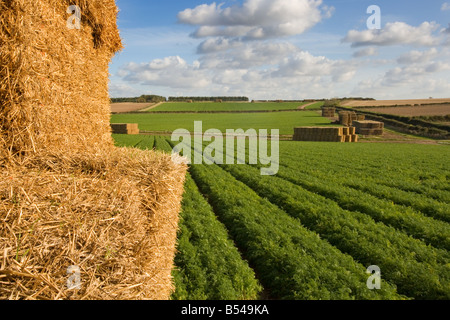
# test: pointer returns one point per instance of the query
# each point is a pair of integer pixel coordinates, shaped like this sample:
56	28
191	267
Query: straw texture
68	197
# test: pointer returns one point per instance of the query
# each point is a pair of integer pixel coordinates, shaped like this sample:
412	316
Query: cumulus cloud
396	33
412	70
303	64
445	6
256	19
172	71
240	55
417	56
123	90
413	74
447	30
366	52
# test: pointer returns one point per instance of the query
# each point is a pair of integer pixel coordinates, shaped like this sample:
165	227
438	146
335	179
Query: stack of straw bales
369	128
328	112
325	134
68	197
125	128
346	118
360	117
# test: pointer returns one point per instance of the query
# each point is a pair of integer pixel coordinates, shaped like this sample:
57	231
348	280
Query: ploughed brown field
380	103
128	107
424	110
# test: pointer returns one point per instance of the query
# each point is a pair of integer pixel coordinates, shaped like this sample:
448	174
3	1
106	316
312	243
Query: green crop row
418	270
334	171
414	223
208	265
290	261
418	168
133	141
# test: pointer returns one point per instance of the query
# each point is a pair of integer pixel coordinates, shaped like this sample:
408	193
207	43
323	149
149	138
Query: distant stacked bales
346	118
369	128
325	134
328	112
125	128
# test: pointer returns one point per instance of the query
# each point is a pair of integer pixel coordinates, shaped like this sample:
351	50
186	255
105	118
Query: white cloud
256	19
118	90
396	33
445	6
417	56
240	55
366	52
172	71
228	63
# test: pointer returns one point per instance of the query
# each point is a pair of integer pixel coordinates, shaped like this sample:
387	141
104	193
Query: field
226	106
284	121
311	231
128	107
417	111
382	103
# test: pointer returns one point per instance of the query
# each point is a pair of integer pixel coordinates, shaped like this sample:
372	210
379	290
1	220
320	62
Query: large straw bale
114	215
54	80
68	197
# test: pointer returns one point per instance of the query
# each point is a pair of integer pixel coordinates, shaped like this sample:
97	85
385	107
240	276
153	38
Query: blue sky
283	49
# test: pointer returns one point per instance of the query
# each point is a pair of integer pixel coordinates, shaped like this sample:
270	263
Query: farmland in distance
311	231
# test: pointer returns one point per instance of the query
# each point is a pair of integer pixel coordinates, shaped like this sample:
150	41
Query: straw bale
68	197
371	132
328	134
114	215
54	80
125	128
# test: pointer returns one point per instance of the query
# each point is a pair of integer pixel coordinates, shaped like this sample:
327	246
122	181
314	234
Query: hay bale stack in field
125	128
325	134
328	112
346	118
68	197
369	128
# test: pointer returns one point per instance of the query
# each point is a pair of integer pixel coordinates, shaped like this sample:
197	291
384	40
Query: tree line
142	99
213	99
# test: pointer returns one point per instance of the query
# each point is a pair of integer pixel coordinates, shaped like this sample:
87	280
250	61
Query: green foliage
291	261
135	141
311	232
208	265
418	270
333	103
142	99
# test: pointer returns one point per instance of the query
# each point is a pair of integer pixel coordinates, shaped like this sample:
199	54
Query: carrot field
311	231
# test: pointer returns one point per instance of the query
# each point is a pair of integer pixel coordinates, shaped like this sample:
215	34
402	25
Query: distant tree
333	103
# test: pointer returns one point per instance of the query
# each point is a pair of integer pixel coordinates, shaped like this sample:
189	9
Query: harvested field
129	107
380	103
424	110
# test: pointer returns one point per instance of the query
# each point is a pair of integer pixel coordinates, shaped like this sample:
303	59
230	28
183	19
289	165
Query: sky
283	49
